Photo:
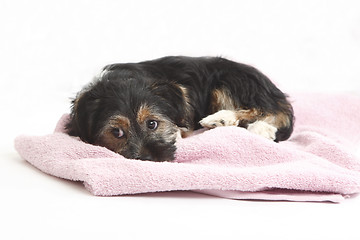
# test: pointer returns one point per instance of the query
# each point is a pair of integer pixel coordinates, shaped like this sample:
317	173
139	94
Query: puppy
138	109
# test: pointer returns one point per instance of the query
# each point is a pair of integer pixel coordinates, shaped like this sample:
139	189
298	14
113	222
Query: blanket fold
318	162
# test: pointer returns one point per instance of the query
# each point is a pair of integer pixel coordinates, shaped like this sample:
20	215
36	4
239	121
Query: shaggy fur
139	109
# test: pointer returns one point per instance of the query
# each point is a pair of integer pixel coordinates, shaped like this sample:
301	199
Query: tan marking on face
143	113
221	100
107	138
119	122
166	129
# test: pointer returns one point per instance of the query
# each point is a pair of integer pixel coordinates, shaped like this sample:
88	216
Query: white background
49	49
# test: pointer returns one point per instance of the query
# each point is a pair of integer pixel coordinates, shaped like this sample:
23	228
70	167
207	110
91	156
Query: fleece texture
318	162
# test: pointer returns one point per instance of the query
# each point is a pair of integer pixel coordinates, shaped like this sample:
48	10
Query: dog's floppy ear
173	98
82	117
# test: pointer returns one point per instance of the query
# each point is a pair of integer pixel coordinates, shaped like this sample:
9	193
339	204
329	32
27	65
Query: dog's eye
117	132
152	124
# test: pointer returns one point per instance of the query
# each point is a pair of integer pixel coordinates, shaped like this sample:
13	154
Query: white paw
263	129
220	118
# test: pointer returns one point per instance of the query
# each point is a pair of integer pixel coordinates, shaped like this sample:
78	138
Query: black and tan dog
138	109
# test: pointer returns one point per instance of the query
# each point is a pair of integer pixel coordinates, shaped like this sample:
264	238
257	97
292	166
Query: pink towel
318	163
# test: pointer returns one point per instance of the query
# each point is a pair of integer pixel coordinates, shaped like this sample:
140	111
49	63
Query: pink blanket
318	163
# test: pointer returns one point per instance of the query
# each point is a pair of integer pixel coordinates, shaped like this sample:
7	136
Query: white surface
49	49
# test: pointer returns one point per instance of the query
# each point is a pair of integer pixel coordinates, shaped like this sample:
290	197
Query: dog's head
134	116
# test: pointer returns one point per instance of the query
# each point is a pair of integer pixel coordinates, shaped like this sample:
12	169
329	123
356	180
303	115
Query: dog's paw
263	129
220	118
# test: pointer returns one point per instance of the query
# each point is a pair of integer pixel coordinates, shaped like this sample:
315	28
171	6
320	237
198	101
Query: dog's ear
82	117
175	101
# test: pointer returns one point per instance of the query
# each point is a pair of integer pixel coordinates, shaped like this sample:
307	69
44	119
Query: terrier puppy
138	109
